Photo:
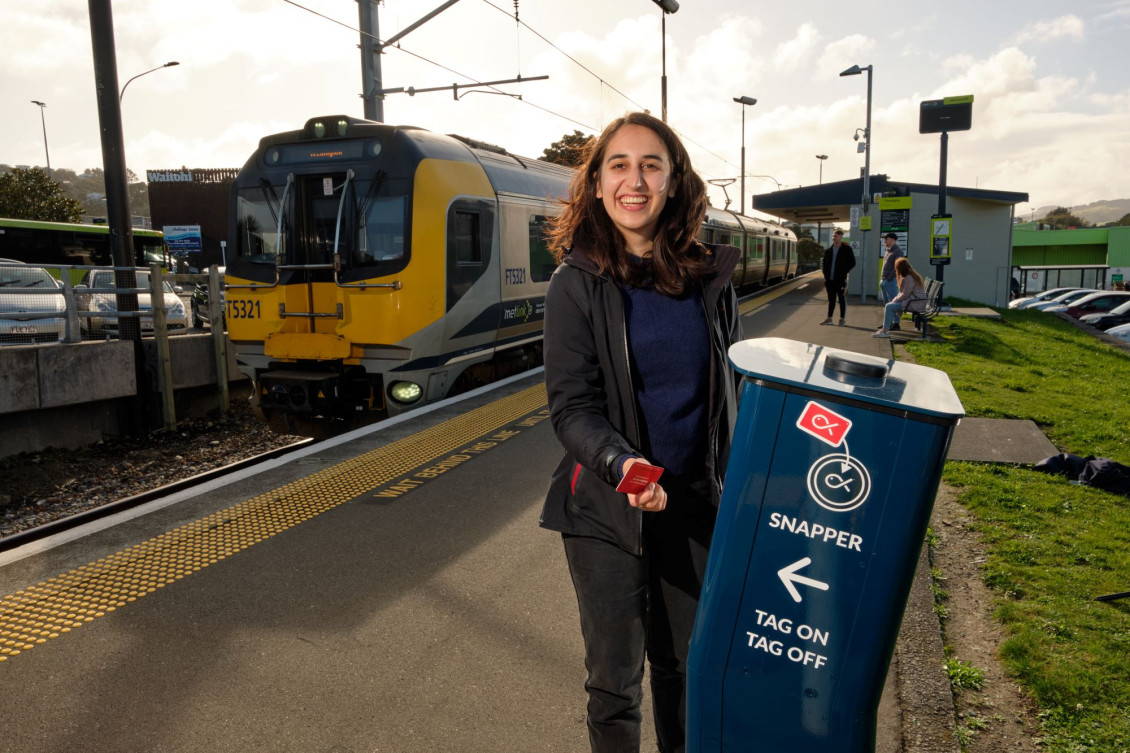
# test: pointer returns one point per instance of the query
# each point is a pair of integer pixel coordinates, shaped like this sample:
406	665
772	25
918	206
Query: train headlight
405	392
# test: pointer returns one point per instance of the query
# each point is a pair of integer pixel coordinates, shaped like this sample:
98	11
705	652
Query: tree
88	188
31	195
1122	222
801	232
809	253
1061	218
569	150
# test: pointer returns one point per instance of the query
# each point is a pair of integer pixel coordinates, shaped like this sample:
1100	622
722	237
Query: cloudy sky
1051	115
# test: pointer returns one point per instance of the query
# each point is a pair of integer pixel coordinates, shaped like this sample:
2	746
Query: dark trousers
837	291
636	607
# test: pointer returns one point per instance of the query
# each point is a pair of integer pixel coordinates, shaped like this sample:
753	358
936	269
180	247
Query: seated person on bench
911	296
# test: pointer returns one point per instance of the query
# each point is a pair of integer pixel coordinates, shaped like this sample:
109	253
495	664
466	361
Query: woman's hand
651	499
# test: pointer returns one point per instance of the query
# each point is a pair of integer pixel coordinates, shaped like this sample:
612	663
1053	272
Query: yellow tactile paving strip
746	307
47	610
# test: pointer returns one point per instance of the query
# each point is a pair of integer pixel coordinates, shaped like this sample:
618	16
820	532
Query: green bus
46	243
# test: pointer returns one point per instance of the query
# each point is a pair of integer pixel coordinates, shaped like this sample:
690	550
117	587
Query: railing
52	304
55	303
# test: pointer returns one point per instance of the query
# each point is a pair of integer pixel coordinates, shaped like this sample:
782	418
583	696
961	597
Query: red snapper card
638	477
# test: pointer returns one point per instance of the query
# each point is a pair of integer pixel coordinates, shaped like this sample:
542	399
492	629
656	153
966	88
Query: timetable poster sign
894	217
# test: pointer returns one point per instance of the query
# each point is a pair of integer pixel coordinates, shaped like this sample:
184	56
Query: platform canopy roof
832	202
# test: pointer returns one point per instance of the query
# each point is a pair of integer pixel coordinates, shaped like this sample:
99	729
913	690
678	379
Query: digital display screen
317	151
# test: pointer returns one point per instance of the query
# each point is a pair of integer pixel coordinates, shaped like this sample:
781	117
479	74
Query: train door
472	279
740	270
756	259
310	298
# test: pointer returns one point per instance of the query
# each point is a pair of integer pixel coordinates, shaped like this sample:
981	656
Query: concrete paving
1000	440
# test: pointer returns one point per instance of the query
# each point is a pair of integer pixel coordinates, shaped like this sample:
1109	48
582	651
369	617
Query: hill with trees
88	189
1105	212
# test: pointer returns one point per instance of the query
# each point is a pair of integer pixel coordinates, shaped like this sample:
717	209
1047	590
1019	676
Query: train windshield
364	221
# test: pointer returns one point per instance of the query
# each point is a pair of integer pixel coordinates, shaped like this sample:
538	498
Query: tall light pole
43	122
169	64
855	70
668	6
744	102
819	224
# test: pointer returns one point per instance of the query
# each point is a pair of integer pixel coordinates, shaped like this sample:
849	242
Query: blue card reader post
835	463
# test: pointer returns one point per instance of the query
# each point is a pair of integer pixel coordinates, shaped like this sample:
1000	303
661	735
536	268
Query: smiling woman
638	319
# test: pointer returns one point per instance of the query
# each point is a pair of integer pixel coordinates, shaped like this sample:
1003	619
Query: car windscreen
106	280
25	277
1122	308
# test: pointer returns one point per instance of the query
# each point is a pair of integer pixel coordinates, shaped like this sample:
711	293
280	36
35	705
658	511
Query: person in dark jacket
839	260
639	316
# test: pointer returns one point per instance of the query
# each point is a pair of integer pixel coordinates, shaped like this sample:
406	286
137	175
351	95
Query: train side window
757	249
722	239
470	231
466	238
542	263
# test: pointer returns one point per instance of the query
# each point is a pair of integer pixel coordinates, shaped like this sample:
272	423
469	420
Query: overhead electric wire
583	67
576	62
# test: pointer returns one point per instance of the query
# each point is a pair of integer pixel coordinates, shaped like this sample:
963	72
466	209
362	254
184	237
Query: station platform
389	590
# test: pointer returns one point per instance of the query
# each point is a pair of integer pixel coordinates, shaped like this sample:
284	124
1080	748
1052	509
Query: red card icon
638	477
824	424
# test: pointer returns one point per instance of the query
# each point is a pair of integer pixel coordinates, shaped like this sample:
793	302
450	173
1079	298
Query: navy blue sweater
669	351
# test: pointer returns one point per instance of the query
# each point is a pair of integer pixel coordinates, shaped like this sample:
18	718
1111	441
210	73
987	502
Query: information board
941	238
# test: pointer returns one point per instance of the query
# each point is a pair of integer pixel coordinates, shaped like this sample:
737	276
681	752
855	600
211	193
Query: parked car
20	313
1063	299
1120	314
106	304
1122	332
199	303
1032	300
1097	303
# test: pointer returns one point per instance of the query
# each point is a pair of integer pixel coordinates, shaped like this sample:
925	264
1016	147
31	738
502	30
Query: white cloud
844	53
1070	26
1118	9
791	54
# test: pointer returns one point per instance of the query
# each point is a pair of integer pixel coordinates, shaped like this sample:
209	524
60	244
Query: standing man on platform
887	282
839	260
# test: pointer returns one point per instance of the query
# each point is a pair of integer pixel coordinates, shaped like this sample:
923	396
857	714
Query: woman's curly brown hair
676	257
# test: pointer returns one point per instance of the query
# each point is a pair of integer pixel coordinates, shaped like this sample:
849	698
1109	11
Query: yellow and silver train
375	268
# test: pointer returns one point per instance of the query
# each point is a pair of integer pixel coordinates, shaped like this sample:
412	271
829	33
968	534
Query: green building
1087	257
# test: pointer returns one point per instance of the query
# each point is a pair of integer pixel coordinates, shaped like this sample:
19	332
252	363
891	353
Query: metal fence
59	303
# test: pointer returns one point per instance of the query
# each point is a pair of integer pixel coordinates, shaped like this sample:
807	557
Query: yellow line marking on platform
757	303
46	610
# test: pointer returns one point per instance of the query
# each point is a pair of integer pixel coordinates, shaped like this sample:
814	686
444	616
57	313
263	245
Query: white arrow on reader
788	576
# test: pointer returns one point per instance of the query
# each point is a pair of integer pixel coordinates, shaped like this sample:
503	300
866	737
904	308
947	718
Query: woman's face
634	184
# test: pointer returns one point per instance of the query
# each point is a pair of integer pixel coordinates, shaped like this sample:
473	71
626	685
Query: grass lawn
1052	546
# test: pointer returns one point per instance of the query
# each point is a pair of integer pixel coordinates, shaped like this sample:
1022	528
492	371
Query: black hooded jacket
592	400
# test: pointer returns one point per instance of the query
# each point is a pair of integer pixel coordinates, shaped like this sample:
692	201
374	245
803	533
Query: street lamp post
169	64
668	6
855	70
819	224
744	102
770	177
43	122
